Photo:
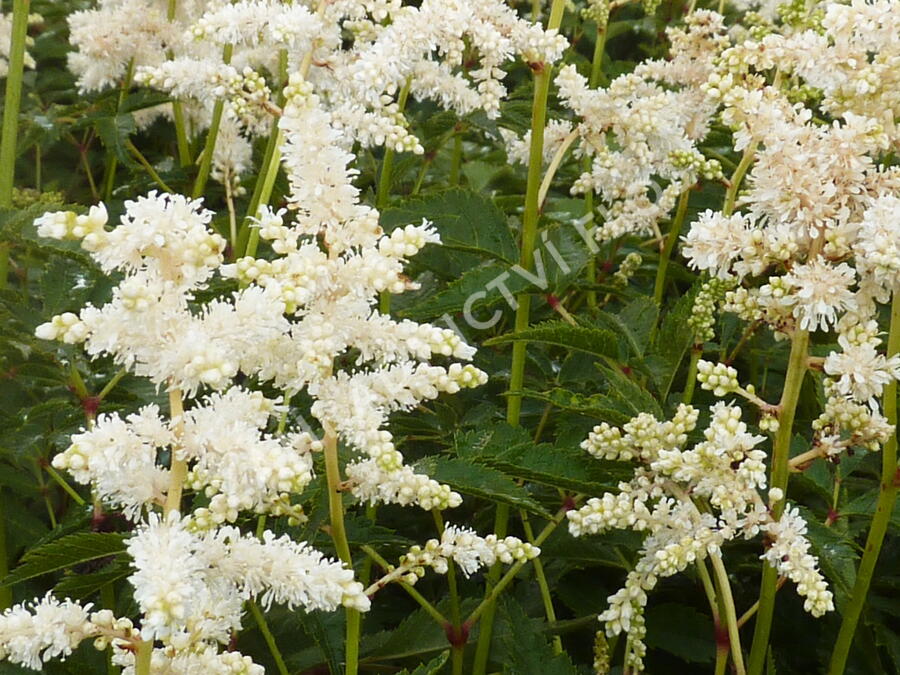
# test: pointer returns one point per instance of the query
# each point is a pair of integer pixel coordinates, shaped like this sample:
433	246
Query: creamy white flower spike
33	633
641	132
192	586
727	469
463	547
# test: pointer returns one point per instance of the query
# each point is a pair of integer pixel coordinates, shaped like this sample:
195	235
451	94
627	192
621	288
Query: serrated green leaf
837	556
682	631
528	652
66	286
417	634
115	131
66	552
627	395
475	291
466	221
672	342
563	254
599	406
596	341
480	481
81	586
568	468
431	668
639	316
326	630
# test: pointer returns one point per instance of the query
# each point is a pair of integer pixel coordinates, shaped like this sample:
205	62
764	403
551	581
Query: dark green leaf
431	668
64	553
81	586
472	293
528	651
682	631
115	132
466	221
479	481
597	341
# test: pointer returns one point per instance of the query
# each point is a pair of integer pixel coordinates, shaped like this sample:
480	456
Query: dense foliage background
626	355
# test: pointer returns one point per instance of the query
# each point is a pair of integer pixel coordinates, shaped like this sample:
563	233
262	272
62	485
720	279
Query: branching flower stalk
542	72
206	157
665	254
181	135
727	601
339	536
8	143
779	472
602	23
884	507
178	467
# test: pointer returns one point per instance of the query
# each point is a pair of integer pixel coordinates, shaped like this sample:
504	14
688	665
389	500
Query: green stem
721	661
178	467
132	148
489	600
269	638
597	60
736	178
596	73
112	383
86	165
793	381
184	148
456	661
544	587
54	474
387	164
451	573
109	178
12	101
384	189
458	651
542	72
456	157
884	507
671	240
248	237
708	589
210	146
696	353
265	184
108	600
727	600
421	177
181	139
339	536
143	658
716	606
4	265
413	593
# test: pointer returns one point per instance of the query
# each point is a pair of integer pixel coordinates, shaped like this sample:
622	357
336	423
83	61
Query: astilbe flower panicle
462	546
690	501
641	132
359	56
193	572
812	244
288	324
